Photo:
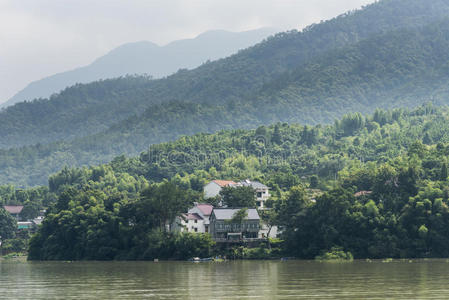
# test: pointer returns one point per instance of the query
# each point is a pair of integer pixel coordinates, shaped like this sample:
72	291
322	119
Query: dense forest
374	186
386	55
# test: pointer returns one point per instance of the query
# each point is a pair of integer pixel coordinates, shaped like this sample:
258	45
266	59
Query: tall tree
8	225
240	196
164	202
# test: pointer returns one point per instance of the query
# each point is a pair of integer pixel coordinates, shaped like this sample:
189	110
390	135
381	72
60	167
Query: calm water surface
229	280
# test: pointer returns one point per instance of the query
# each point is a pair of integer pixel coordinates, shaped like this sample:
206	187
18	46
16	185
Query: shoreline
367	260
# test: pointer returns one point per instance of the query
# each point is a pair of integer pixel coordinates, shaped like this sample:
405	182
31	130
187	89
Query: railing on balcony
245	240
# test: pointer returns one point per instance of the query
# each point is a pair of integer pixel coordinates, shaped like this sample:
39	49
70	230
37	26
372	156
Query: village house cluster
217	221
24	224
203	217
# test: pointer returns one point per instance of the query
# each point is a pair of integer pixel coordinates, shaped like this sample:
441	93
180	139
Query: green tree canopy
8	225
240	196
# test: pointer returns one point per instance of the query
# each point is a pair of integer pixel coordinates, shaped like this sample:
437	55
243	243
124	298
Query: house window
258	204
195	229
259	194
196	221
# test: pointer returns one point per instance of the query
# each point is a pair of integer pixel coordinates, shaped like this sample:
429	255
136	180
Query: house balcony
240	240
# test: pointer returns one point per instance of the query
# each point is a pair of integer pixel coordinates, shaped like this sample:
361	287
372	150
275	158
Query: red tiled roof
13	209
206	209
192	216
224	183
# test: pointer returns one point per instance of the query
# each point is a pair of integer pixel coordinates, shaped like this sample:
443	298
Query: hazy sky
39	38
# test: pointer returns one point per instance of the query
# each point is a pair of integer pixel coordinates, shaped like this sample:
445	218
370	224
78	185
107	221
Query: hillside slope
403	68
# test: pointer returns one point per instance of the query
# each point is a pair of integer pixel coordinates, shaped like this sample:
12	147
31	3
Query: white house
196	220
189	223
213	188
204	211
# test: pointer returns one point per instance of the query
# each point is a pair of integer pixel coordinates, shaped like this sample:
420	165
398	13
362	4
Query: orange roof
223	183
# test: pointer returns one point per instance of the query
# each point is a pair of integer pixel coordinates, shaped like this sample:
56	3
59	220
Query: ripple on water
230	280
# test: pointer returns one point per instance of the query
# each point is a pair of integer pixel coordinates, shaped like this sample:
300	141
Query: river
417	279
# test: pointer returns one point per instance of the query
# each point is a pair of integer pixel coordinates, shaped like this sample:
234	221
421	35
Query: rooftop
228	213
223	183
13	209
206	209
253	184
194	216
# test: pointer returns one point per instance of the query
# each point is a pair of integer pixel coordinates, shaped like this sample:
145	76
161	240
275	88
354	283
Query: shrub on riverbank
335	254
241	252
15	245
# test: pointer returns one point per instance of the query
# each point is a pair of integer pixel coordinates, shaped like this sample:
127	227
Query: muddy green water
419	279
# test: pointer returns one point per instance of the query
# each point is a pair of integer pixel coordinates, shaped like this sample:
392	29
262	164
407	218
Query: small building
195	220
213	188
204	210
188	223
38	220
223	230
14	210
28	225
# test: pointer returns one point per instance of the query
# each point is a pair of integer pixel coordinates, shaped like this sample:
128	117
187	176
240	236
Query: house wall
264	231
212	222
262	195
189	226
220	228
205	222
211	190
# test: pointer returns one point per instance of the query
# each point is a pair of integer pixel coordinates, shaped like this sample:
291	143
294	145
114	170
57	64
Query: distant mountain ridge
146	58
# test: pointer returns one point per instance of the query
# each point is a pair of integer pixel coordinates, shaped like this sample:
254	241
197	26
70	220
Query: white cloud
42	37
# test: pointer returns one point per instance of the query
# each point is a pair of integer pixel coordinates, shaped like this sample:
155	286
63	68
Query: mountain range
388	54
145	57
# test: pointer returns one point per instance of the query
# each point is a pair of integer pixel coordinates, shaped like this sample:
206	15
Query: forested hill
86	109
376	186
147	58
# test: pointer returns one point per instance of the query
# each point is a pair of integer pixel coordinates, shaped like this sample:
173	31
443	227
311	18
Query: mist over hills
145	57
390	54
